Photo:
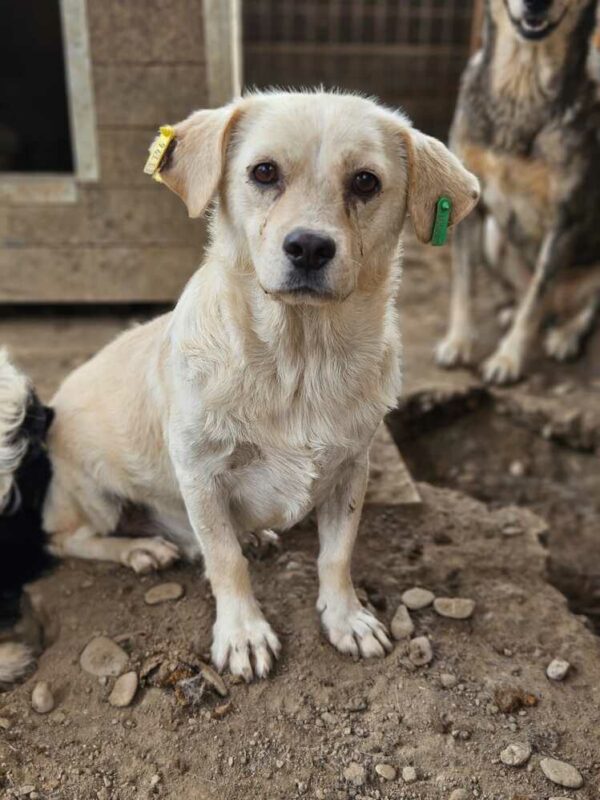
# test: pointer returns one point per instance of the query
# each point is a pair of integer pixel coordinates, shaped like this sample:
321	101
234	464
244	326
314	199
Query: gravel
448	680
103	658
459	794
561	773
417	598
420	651
515	755
386	771
355	773
402	625
164	593
409	774
42	699
557	669
454	607
124	690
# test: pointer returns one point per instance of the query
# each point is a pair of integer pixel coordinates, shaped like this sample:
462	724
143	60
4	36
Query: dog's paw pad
356	631
454	351
150	555
248	649
502	369
562	345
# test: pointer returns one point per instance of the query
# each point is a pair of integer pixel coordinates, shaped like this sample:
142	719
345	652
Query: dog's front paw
454	351
503	368
353	629
562	344
245	643
149	555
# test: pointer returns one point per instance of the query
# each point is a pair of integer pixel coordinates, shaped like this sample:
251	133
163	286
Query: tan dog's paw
562	344
261	544
502	368
246	644
353	629
149	555
454	351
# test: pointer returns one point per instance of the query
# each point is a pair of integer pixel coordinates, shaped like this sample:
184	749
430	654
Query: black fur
23	555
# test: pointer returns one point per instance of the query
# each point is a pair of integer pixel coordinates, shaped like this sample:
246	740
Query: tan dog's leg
142	555
349	626
243	640
457	347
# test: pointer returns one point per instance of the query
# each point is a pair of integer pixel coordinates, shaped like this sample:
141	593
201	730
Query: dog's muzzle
309	252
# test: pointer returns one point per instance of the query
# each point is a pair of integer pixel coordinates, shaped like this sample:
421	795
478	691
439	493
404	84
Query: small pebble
454	607
419	651
409	774
459	794
515	755
448	680
417	598
402	625
355	773
517	469
102	657
4	724
561	773
163	593
557	669
124	690
42	699
386	771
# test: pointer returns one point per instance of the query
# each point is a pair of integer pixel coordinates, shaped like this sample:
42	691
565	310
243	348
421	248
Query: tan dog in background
256	400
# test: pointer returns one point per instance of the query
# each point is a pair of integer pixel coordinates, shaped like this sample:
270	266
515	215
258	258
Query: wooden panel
132	96
100	274
146	31
123	153
143	216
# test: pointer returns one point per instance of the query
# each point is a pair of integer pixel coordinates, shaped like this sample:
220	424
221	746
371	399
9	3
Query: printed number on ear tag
158	150
442	220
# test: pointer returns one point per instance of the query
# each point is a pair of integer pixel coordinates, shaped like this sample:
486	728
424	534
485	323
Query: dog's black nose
537	6
308	249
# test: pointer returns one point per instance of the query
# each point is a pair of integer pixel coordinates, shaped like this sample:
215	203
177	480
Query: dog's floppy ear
433	172
195	159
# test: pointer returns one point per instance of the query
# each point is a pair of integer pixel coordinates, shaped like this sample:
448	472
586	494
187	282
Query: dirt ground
323	725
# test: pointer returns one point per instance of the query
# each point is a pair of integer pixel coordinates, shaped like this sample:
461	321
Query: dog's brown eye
365	183
265	173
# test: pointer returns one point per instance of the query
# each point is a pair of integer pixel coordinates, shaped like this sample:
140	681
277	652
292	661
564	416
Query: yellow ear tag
158	150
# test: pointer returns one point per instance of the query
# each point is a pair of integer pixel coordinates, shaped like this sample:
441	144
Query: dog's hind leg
467	250
142	555
564	341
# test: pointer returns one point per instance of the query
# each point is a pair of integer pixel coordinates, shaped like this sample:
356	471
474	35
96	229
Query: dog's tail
15	392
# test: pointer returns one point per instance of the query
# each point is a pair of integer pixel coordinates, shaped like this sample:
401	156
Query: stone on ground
42	699
561	773
103	658
417	598
163	593
454	607
124	690
402	626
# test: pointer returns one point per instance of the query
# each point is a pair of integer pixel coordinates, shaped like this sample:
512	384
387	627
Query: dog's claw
355	631
150	555
248	648
502	369
562	345
454	351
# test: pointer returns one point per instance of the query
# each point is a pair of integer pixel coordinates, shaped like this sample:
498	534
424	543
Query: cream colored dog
255	401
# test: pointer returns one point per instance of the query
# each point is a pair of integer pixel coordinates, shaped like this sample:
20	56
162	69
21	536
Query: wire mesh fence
409	53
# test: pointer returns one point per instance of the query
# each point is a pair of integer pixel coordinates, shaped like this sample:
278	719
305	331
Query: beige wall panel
123	154
149	96
30	226
110	274
145	31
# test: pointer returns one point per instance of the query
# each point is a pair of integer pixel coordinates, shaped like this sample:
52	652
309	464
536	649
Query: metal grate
410	53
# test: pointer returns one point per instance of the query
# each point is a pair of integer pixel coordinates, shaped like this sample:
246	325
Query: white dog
255	401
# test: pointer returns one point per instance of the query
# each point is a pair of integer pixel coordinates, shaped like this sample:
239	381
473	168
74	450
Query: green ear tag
441	222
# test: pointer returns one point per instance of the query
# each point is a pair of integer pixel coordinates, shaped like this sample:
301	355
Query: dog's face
315	187
535	20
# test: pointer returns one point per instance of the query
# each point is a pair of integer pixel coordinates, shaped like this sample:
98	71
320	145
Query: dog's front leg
507	363
467	249
243	640
349	626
